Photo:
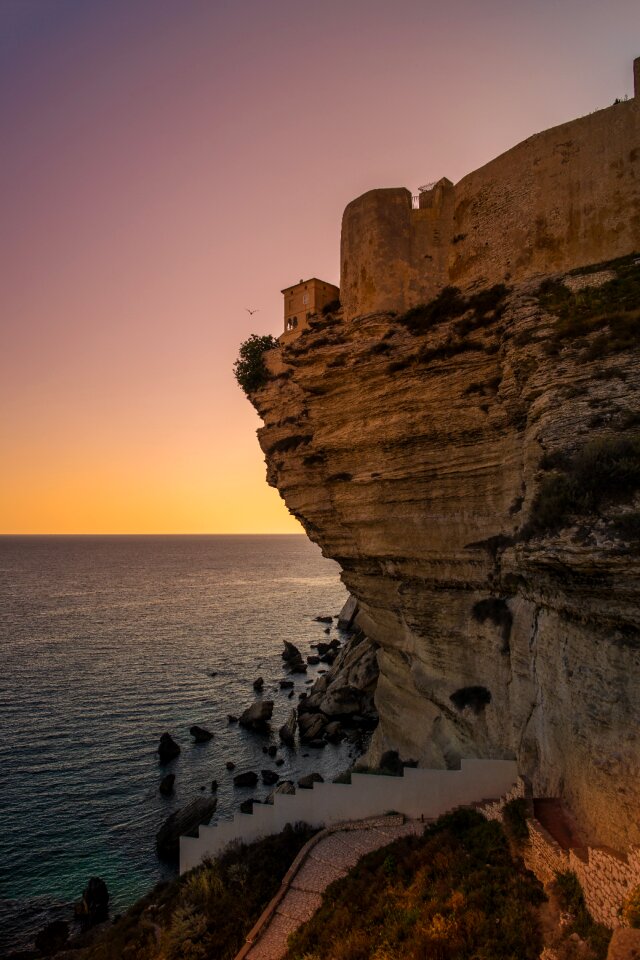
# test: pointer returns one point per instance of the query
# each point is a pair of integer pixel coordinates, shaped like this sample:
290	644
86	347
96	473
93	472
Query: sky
167	164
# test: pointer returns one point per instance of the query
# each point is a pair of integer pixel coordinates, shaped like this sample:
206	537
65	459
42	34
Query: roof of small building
310	280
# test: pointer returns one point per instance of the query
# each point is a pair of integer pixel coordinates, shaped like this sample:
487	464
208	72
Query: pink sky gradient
167	163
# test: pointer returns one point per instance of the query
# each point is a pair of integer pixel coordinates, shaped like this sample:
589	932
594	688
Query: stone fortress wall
606	877
564	198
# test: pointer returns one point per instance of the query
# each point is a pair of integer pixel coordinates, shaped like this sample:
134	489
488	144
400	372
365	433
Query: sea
105	644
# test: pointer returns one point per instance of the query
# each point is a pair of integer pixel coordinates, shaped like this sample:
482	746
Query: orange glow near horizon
168	165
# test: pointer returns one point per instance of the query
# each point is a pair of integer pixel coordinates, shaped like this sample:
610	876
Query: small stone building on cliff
304	299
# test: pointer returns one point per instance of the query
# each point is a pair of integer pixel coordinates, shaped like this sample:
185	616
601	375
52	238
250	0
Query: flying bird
251	312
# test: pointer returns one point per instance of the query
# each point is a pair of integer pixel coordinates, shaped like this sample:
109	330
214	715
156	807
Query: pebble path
331	857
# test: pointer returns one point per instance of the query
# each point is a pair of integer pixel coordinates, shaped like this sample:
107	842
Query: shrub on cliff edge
631	910
206	913
249	369
455	893
571	899
605	468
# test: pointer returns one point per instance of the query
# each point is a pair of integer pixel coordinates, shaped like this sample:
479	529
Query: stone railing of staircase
420	793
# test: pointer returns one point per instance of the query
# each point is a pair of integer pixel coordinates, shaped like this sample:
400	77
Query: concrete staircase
418	794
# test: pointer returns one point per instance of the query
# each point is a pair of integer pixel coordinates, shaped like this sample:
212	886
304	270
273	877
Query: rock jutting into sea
257	716
168	749
183	822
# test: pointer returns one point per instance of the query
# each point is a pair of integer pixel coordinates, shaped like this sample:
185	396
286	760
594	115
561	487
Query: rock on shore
257	716
168	749
182	823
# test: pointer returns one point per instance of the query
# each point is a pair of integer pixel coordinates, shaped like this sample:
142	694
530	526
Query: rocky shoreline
337	707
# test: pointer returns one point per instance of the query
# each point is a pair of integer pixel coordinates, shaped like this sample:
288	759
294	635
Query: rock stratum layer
415	459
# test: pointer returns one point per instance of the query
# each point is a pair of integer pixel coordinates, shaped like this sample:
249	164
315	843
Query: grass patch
612	311
207	912
571	899
330	307
631	910
454	894
604	469
515	820
483	308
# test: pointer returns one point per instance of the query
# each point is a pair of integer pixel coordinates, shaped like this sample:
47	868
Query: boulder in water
199	734
269	777
166	784
288	730
248	779
306	783
168	749
183	822
257	716
258	684
292	656
94	906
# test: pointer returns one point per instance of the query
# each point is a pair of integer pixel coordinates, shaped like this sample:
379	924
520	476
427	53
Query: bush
515	819
207	912
631	909
571	899
330	307
455	893
611	310
249	369
603	469
484	307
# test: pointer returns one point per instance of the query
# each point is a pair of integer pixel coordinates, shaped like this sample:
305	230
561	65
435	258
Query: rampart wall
606	877
564	198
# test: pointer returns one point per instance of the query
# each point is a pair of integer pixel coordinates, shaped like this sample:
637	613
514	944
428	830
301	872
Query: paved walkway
332	856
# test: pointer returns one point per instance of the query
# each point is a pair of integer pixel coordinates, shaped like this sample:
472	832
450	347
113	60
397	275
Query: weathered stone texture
561	199
413	474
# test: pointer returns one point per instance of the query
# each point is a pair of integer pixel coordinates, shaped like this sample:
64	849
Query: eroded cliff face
414	460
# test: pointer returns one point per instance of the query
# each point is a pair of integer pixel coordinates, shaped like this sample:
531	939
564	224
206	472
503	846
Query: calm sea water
106	642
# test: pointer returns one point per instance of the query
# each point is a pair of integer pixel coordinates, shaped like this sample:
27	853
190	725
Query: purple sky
167	164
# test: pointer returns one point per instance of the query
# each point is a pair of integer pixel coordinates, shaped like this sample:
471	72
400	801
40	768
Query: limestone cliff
413	449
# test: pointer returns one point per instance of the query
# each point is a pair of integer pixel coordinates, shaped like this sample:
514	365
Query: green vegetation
472	313
330	307
612	311
631	910
249	369
604	469
455	893
515	820
571	899
206	913
483	308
